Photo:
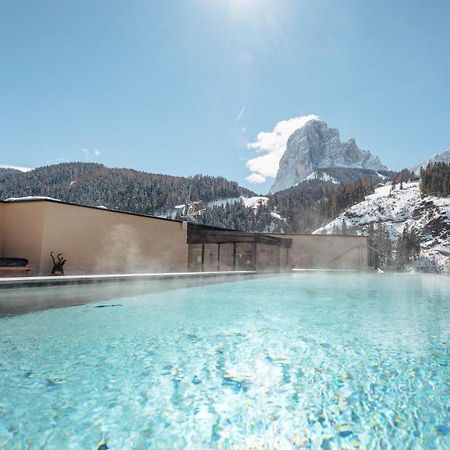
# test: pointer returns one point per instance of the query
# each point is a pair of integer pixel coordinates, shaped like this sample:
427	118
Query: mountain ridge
94	184
316	146
443	156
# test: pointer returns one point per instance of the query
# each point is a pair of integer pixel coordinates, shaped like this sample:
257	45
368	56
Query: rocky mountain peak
316	146
439	157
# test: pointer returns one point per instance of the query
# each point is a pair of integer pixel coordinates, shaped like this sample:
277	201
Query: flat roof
148	216
319	235
97	208
213	235
102	208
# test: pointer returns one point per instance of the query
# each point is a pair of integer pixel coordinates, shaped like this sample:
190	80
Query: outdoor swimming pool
294	361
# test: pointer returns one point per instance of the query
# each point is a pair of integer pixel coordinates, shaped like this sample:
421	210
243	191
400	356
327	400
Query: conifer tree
408	246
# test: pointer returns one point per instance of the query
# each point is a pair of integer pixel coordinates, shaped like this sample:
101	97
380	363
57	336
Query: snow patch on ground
224	202
254	202
20	168
324	176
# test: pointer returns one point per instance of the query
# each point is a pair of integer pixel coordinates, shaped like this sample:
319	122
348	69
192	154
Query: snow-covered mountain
395	208
315	146
439	157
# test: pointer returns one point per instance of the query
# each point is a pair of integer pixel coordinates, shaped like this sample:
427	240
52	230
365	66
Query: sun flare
246	8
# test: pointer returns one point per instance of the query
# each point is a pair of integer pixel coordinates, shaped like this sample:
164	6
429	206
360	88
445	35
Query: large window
195	257
245	256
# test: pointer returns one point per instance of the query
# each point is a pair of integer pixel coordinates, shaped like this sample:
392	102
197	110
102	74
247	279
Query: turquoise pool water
306	361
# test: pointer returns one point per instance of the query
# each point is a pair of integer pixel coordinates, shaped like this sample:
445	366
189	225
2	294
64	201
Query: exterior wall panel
284	258
22	232
93	241
195	258
1	229
226	257
267	257
211	253
245	256
328	252
99	241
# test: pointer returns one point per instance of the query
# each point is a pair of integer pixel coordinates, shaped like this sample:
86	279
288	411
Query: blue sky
183	86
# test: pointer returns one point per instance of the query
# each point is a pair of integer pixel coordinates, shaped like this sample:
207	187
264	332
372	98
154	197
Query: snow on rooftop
30	197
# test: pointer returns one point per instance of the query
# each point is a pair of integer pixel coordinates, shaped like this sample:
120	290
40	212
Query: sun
246	8
246	3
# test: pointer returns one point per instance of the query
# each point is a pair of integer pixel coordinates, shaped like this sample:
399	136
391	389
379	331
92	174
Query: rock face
315	146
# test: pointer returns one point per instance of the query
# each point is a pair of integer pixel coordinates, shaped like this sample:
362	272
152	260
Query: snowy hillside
18	168
254	202
396	208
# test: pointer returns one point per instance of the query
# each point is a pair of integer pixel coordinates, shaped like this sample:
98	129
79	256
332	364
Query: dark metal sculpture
58	264
191	211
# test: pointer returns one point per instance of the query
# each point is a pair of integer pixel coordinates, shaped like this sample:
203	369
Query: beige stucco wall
94	241
22	232
327	252
1	229
97	241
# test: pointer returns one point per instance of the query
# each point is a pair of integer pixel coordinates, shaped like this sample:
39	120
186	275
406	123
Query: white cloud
256	178
265	165
273	144
90	154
